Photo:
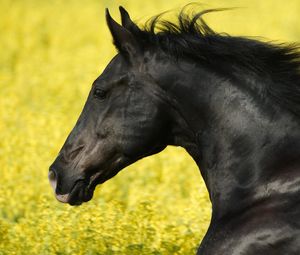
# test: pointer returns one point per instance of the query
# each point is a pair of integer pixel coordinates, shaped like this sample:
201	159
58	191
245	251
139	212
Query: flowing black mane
192	38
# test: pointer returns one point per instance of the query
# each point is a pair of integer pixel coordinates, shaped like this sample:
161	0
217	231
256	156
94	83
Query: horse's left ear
123	39
127	22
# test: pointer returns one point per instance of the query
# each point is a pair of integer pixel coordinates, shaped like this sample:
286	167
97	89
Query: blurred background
51	52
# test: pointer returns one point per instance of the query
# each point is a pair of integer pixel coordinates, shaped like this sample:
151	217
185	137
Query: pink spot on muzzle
53	182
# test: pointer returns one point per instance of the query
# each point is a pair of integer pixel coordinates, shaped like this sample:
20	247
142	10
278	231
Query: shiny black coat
232	103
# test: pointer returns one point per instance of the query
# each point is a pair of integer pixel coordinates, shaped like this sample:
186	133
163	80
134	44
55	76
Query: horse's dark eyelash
100	93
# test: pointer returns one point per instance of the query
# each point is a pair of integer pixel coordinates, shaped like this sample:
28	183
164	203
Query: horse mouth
78	194
82	190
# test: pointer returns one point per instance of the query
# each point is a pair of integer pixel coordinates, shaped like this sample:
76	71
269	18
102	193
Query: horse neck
248	149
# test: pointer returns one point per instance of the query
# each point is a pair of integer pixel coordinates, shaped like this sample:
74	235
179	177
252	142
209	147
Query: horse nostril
52	178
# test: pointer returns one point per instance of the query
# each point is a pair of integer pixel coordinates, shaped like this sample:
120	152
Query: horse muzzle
79	192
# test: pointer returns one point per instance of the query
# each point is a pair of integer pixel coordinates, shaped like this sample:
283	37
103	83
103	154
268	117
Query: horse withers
233	103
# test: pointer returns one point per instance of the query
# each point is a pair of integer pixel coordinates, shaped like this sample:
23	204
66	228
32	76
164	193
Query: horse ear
122	38
127	22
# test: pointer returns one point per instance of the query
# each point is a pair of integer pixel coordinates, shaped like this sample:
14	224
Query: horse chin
83	189
81	192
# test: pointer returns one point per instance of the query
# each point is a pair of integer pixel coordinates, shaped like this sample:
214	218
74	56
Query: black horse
233	103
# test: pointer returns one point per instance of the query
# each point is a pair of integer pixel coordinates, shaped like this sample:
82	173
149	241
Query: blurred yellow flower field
51	51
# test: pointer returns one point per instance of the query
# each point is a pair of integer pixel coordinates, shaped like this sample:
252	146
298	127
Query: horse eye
100	93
